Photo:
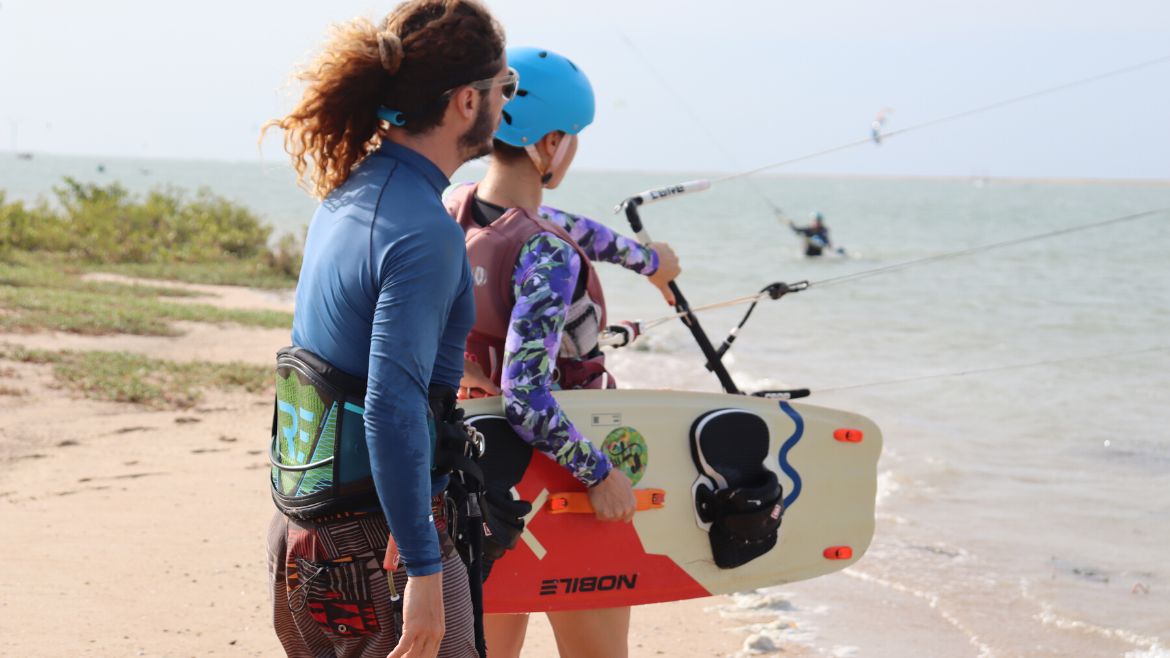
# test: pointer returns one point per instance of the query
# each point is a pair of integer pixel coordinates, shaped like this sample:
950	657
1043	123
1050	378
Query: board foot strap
738	500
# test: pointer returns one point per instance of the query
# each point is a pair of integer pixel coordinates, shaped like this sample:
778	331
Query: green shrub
110	225
286	257
31	229
107	225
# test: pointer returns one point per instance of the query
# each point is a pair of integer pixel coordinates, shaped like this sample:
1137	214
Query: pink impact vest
493	251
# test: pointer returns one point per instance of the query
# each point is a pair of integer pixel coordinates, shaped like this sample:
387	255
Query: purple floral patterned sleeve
543	283
601	243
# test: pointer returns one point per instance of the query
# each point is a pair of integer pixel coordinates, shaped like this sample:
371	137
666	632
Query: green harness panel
320	462
305	434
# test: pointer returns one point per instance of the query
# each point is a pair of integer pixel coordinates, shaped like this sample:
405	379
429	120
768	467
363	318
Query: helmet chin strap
558	155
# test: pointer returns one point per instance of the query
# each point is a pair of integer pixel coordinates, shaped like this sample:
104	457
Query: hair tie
390	51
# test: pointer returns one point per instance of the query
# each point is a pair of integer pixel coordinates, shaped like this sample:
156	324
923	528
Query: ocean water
1022	512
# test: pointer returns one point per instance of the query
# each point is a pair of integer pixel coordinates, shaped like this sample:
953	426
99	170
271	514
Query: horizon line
1041	179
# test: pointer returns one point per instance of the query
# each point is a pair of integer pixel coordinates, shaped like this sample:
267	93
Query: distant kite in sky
879	122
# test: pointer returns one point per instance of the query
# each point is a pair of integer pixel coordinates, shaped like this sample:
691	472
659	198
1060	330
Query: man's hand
668	270
613	498
422	618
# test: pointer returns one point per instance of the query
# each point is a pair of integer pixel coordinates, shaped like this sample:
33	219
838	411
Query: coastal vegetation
155	383
47	293
168	233
47	248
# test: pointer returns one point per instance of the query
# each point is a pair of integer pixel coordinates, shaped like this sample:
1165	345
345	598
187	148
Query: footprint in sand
124	476
127	430
35	455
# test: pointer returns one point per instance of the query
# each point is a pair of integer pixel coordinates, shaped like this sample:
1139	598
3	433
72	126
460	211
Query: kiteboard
825	461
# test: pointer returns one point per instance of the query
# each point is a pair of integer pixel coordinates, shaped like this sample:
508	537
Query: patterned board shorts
330	596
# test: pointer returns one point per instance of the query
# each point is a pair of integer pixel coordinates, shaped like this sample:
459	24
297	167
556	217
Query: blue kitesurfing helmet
554	95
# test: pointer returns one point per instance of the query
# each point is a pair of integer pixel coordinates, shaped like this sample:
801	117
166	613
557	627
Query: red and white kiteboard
825	459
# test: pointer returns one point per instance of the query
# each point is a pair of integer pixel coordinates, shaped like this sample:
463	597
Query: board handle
577	502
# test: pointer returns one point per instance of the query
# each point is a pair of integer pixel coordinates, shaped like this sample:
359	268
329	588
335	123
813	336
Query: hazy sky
730	85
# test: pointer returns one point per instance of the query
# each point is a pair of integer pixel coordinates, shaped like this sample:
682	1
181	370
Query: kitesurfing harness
503	512
458	450
321	464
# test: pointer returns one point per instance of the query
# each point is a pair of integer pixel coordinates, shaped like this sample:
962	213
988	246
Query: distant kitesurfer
816	234
879	124
540	309
384	303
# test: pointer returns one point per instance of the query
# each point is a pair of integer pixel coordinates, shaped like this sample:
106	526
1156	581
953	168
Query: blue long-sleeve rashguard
385	293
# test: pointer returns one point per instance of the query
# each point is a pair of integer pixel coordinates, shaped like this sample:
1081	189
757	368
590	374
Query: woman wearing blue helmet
540	308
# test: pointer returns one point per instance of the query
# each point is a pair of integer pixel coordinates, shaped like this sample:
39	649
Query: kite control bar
630	205
658	194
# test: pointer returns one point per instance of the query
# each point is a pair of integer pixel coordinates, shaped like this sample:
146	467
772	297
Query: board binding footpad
738	500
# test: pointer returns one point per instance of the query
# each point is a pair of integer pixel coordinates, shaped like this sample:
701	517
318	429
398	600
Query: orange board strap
577	502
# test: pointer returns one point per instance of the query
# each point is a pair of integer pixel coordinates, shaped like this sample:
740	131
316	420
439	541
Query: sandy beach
138	532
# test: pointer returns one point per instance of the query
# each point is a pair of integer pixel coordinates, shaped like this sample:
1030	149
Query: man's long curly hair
423	48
